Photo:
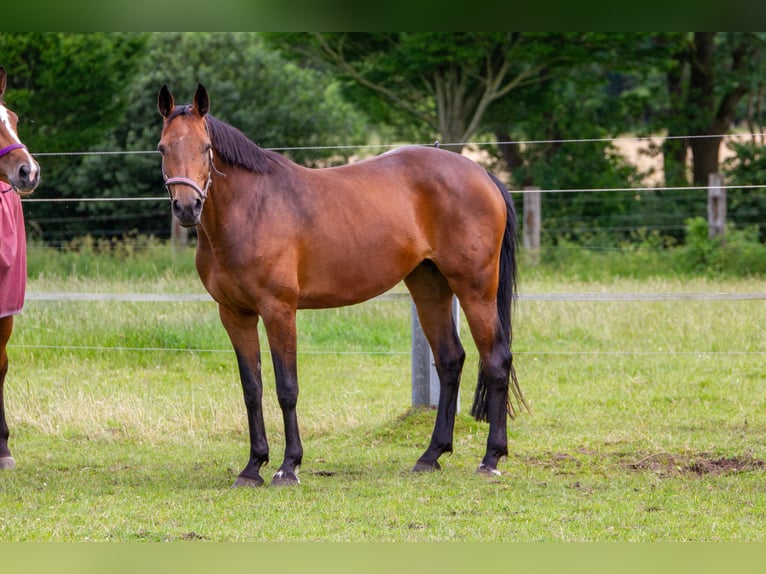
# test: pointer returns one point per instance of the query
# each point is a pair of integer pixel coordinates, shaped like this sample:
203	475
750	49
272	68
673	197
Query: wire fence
476	145
382	146
562	297
626	222
192	351
554	297
658	220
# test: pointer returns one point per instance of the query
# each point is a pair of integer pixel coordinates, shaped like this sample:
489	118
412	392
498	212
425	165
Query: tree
569	120
514	86
69	91
68	88
273	101
684	84
712	74
432	84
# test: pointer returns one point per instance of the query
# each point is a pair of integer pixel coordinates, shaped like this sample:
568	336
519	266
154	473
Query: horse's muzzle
187	213
26	177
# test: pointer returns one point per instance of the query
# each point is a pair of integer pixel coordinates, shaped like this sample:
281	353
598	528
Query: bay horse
274	237
19	173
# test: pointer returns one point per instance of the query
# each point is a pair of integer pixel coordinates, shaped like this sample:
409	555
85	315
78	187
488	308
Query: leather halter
201	191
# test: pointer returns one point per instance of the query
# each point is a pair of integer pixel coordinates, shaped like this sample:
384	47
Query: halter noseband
9	148
5	151
201	191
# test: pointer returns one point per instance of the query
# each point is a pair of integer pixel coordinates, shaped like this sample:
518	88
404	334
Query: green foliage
569	117
129	258
430	84
651	254
97	91
273	101
738	253
68	88
712	73
745	207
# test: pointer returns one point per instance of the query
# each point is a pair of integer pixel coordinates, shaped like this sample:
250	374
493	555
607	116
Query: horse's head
187	154
17	167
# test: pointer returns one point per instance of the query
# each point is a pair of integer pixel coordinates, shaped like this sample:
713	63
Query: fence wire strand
531	297
648	139
192	351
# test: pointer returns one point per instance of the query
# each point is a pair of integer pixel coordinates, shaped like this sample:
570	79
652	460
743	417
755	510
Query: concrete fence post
425	380
716	206
532	219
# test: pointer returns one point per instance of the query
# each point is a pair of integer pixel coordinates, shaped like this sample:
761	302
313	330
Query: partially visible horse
20	173
274	237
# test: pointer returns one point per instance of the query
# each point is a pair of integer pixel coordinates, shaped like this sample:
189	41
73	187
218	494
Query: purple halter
6	150
9	148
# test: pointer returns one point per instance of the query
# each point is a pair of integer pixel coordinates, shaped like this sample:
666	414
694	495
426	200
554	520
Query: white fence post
425	380
532	219
716	206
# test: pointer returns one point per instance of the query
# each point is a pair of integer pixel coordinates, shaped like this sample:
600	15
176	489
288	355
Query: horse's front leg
243	332
281	330
6	460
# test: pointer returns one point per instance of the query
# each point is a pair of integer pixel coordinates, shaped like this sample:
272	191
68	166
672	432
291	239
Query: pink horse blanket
13	252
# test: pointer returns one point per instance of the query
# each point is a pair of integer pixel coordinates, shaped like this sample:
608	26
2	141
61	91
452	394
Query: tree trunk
513	158
709	120
674	147
700	106
674	160
705	152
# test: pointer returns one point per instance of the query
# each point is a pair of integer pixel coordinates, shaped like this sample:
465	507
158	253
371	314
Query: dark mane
236	148
233	146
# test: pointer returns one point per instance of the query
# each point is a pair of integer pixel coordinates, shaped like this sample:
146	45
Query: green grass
648	423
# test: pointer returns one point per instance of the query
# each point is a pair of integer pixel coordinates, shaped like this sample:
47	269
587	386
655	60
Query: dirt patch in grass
663	465
700	464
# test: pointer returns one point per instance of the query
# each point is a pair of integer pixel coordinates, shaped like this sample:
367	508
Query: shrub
737	253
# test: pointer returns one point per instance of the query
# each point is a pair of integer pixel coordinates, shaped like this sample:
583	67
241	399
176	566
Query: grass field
648	422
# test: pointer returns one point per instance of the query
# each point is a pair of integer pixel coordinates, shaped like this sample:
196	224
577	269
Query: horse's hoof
282	478
421	466
7	463
485	470
248	482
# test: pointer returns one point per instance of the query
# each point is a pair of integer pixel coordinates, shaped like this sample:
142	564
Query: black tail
506	296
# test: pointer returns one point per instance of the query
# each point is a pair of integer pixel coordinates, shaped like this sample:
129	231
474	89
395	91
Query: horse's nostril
23	172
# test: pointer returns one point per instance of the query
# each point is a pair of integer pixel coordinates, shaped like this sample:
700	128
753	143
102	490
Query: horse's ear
3	79
201	100
165	102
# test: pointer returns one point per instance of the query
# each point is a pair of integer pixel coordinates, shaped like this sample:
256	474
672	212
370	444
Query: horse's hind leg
433	299
495	367
6	460
495	372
